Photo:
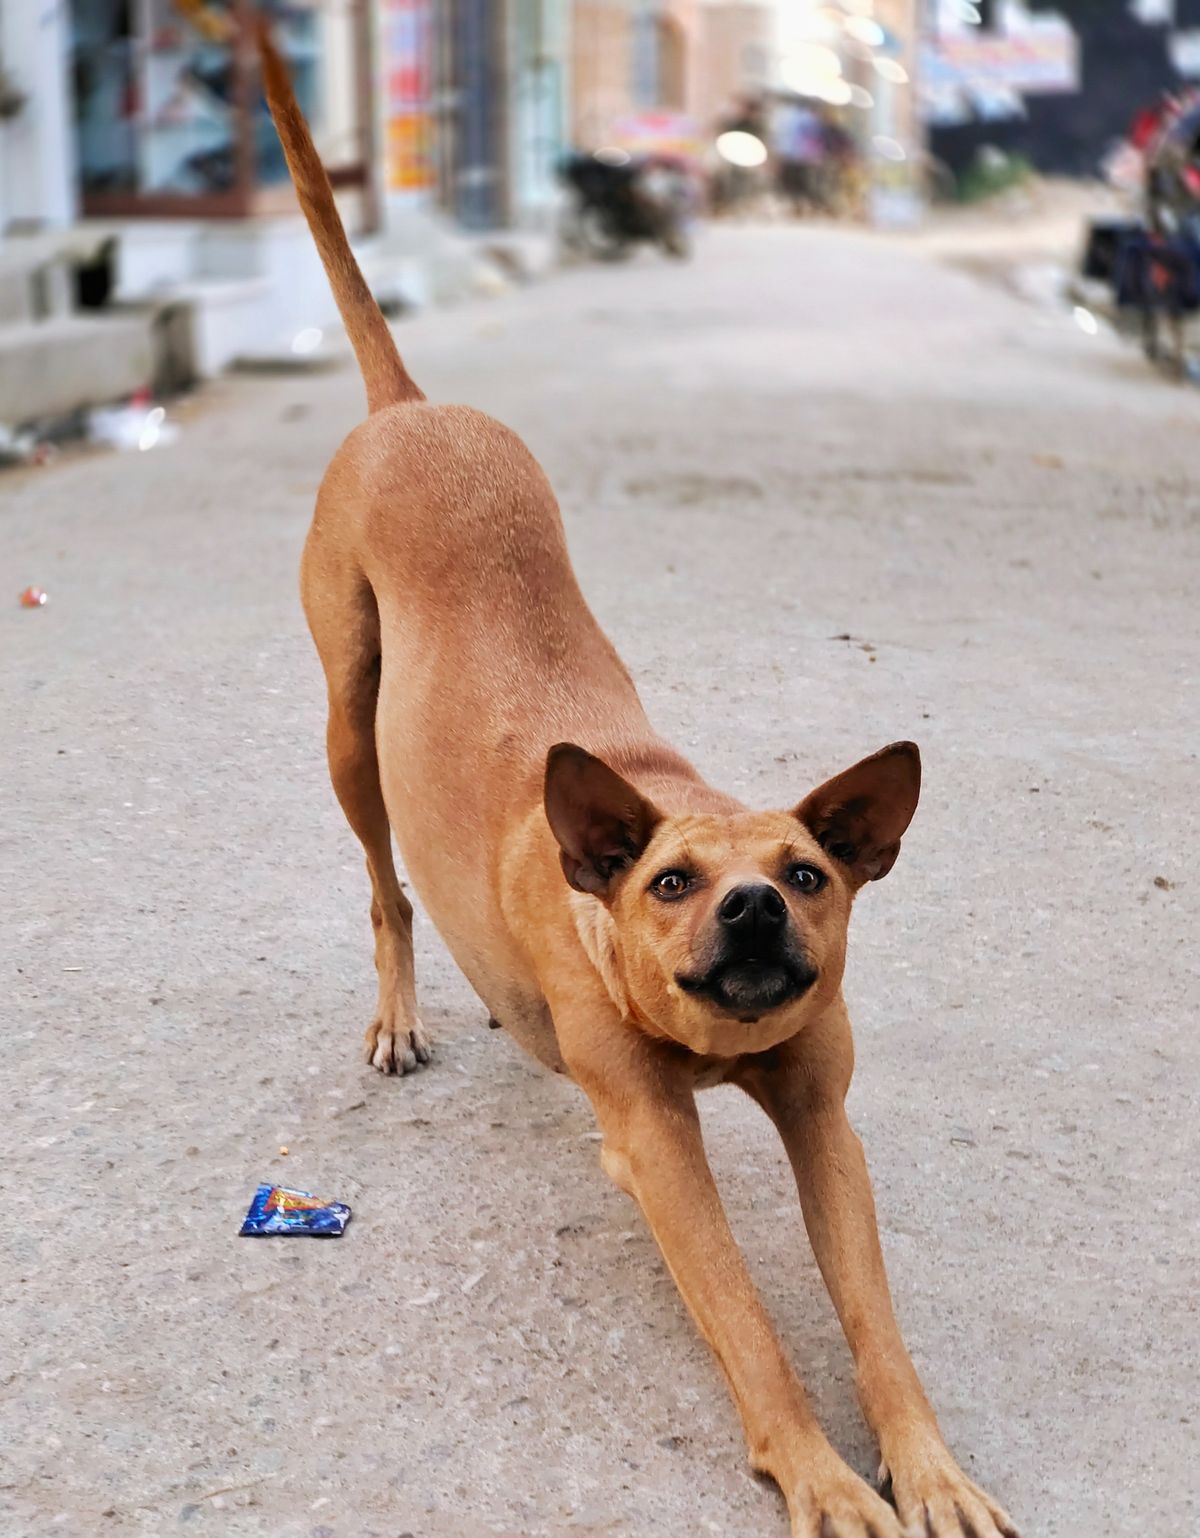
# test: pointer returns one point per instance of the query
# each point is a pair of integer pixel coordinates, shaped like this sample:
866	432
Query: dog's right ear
601	823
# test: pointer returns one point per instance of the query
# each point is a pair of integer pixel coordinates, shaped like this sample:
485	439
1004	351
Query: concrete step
198	296
52	367
229	318
16	298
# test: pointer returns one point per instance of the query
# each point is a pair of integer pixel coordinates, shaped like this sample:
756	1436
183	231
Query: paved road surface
803	436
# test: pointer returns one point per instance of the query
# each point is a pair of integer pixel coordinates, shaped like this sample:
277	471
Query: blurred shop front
177	158
137	129
475	107
170	118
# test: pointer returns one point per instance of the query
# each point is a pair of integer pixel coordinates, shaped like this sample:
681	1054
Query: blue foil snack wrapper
277	1210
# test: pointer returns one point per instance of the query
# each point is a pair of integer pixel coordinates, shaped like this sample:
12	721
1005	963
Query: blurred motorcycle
1150	263
618	200
1169	275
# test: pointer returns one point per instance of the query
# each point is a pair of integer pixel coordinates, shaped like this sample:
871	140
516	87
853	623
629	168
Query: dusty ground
803	435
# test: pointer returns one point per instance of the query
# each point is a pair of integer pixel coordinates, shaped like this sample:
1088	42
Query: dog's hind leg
344	621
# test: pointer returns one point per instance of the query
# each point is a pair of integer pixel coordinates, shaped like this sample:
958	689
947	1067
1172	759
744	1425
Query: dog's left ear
860	816
601	823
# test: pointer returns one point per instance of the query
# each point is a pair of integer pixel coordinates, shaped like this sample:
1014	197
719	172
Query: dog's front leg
802	1086
653	1150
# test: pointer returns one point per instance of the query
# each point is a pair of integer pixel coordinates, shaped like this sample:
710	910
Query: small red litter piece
33	598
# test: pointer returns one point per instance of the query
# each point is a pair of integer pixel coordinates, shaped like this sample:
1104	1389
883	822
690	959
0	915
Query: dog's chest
529	1023
711	1071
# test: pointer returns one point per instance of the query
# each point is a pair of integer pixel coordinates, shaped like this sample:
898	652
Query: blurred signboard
658	133
975	74
1041	59
406	36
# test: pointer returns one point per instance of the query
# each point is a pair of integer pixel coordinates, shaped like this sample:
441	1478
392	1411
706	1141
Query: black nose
753	912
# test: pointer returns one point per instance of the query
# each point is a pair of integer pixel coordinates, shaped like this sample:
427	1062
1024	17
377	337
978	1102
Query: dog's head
727	932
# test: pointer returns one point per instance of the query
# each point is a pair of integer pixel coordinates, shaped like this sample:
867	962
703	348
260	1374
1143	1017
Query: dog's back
455	536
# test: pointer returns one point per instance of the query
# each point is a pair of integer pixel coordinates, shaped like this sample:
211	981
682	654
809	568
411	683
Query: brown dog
628	924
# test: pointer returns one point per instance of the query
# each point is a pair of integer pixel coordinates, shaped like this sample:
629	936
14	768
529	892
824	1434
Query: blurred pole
645	53
444	105
479	44
366	115
537	62
896	150
406	75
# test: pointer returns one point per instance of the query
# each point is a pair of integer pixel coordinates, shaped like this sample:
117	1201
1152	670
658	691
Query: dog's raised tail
384	374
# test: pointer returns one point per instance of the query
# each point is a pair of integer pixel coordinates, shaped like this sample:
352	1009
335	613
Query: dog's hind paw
393	1047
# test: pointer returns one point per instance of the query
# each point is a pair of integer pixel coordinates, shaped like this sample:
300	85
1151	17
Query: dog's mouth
749	986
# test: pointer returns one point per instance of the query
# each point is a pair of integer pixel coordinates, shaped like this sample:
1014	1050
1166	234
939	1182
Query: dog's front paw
936	1499
835	1503
396	1046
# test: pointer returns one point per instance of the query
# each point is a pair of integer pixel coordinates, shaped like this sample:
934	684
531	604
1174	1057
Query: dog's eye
670	884
806	878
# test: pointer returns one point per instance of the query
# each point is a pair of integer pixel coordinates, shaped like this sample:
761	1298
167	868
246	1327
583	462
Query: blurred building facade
1056	83
684	62
144	109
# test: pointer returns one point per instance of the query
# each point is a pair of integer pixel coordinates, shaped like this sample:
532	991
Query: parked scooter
619	200
1150	262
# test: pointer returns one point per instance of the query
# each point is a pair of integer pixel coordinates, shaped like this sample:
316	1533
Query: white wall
37	148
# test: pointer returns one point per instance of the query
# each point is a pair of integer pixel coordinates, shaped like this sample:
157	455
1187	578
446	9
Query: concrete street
824	491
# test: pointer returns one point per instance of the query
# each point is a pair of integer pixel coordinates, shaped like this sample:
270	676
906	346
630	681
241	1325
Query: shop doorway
170	117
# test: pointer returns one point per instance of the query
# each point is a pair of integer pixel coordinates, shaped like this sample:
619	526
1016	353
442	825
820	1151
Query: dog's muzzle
756	963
